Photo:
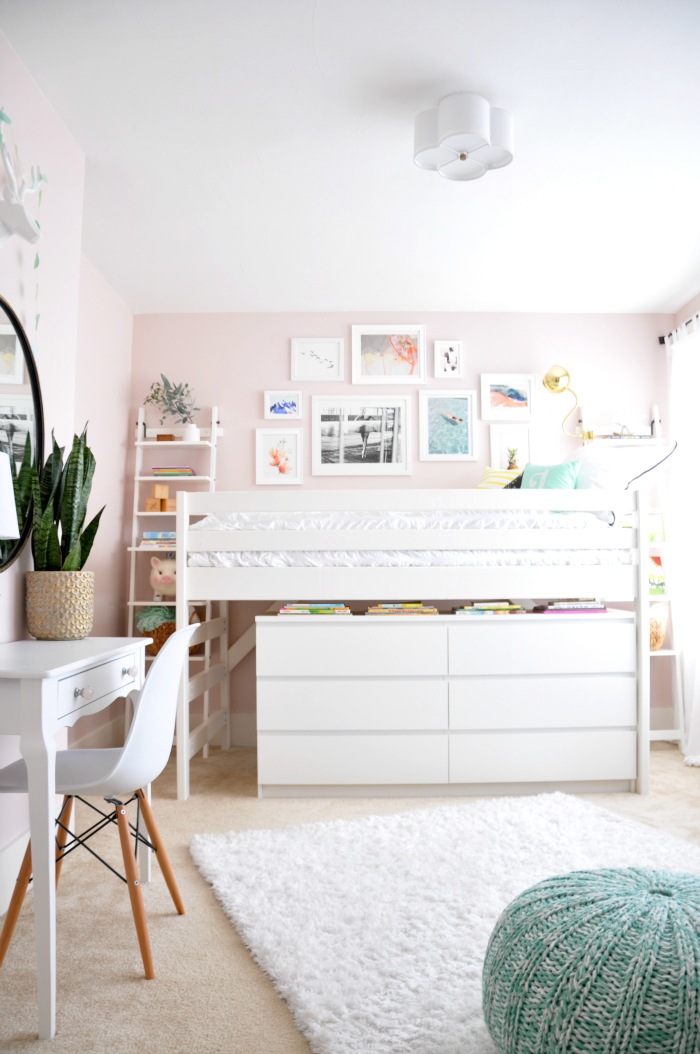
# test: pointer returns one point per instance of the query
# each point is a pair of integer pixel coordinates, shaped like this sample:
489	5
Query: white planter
190	434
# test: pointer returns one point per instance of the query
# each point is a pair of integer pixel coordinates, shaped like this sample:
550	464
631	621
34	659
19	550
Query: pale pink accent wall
42	139
687	310
616	364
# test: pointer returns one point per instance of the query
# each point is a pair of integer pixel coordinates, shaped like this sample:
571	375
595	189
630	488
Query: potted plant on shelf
60	594
175	401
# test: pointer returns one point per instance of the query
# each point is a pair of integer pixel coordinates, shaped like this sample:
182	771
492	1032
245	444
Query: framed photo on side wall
357	435
507	396
279	455
447	425
510	443
282	404
449	358
388	354
11	356
318	359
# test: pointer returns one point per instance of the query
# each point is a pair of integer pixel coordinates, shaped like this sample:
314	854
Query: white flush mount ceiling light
463	138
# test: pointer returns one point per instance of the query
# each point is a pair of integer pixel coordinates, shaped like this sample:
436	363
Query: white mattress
448	521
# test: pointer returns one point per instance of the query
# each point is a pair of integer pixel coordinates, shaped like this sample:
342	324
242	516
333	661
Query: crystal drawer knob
86	692
129	671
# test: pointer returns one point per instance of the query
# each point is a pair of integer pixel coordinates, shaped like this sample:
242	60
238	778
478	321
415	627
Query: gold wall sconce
557	380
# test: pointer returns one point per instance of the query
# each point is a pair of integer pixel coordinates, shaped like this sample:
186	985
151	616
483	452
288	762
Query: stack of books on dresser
158	540
570	607
172	470
315	609
414	608
491	607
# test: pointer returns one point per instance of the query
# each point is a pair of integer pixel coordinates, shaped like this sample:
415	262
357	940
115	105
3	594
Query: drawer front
355	649
362	705
102	679
349	759
594	701
521	757
505	645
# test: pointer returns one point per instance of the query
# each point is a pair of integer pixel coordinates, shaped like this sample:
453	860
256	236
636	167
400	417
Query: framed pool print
318	359
510	446
279	455
358	435
388	354
281	403
447	425
507	396
449	358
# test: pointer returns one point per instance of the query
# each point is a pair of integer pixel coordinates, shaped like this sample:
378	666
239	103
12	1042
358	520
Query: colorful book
159	536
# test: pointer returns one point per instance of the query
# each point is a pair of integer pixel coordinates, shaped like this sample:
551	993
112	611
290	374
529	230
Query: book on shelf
157	545
159	536
500	608
172	470
315	609
591	607
401	610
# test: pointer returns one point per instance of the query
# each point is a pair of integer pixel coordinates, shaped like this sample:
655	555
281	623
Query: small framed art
357	435
318	359
507	396
510	446
391	354
449	358
279	455
282	404
11	357
447	425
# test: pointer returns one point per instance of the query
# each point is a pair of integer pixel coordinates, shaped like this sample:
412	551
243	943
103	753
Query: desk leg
39	702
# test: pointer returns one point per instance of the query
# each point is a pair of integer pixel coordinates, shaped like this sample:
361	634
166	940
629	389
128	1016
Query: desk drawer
358	648
350	759
523	757
358	705
105	679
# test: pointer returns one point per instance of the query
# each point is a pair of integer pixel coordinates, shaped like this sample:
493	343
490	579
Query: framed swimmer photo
447	425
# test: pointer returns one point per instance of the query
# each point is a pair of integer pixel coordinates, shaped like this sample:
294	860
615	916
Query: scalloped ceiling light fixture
463	137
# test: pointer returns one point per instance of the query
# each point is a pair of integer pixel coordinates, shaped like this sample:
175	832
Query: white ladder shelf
668	650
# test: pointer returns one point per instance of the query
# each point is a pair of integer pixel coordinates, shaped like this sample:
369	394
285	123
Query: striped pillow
495	478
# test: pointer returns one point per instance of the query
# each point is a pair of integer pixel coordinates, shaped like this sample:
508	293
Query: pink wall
687	310
616	364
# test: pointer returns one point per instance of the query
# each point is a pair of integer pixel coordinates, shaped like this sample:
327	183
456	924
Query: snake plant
60	502
22	482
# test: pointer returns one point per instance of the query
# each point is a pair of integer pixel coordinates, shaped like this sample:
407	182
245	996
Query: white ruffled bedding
447	521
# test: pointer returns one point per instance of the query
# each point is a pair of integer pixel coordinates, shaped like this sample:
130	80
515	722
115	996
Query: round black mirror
21	425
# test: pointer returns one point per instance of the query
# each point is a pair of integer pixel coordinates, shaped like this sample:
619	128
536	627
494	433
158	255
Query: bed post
182	724
642	612
224	689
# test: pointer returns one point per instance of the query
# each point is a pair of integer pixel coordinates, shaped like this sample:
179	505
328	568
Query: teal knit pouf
597	962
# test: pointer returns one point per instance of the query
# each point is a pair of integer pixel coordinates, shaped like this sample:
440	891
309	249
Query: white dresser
446	704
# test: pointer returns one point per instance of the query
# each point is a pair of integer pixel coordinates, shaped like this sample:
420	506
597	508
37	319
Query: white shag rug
374	930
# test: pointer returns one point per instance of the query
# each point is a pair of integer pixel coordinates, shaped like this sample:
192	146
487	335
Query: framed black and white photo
17	419
510	446
279	454
11	356
388	354
447	425
318	359
449	358
507	396
357	435
286	404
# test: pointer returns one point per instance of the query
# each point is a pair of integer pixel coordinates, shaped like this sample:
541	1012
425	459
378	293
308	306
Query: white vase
190	434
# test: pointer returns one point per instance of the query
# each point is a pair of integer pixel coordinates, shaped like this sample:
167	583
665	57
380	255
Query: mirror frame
38	418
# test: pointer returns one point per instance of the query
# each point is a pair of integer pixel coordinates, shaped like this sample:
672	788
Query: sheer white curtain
683	349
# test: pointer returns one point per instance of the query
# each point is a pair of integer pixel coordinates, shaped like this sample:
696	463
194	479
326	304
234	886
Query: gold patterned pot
658	617
60	604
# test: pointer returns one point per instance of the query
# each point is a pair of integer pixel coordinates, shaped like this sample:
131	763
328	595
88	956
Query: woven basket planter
60	604
161	633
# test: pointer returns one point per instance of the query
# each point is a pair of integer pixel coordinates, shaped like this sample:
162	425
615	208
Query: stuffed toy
162	578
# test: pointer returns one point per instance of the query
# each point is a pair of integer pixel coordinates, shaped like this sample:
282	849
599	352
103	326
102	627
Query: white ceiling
256	155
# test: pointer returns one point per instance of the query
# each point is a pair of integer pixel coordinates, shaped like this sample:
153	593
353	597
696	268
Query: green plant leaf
53	550
88	473
41	537
23	483
51	474
72	561
70	499
88	537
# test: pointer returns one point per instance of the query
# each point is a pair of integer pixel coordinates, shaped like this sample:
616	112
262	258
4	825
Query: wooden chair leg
64	816
163	859
135	895
25	873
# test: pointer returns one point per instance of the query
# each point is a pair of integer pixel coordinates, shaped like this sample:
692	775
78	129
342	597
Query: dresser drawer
359	705
504	644
559	701
539	757
104	679
359	648
350	759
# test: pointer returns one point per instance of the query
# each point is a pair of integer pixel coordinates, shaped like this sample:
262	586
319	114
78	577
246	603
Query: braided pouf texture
597	962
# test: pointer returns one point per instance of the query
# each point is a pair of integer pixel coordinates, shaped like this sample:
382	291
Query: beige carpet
208	995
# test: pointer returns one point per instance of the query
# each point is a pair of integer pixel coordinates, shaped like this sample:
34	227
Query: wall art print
449	358
361	435
318	359
279	455
388	354
507	396
281	403
447	425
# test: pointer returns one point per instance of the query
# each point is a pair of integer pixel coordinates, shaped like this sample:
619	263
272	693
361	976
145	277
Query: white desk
46	685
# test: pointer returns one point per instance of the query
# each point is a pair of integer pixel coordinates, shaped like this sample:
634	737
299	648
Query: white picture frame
283	405
277	447
318	359
508	436
388	354
11	356
449	359
375	431
507	396
446	425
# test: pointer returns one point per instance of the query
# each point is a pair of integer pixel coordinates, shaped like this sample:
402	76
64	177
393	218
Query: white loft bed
612	582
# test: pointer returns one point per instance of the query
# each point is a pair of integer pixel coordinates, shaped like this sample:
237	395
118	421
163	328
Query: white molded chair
115	774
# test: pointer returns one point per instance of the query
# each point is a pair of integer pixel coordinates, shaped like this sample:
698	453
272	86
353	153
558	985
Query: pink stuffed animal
162	578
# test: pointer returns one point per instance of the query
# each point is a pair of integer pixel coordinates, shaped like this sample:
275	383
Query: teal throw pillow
550	477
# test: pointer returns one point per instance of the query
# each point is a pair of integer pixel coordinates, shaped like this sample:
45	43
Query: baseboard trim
244	730
441	790
11	857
